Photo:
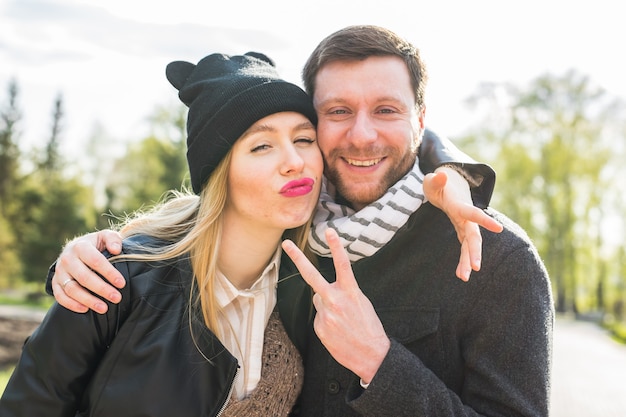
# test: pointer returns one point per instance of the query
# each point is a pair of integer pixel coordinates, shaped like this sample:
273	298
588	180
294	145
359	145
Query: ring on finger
67	281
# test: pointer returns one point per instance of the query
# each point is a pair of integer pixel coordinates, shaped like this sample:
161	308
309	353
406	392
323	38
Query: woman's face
275	173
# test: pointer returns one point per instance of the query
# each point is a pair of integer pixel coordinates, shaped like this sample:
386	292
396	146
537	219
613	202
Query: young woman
198	330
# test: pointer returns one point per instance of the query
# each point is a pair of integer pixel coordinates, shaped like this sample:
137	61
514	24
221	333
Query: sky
107	59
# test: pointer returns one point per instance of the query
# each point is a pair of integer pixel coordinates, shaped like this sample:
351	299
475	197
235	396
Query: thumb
435	181
434	184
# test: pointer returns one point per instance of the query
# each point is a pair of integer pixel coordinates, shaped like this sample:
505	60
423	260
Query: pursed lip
297	187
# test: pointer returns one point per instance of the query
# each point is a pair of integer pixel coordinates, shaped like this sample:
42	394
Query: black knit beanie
226	95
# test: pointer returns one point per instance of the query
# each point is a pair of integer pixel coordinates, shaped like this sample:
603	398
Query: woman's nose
292	160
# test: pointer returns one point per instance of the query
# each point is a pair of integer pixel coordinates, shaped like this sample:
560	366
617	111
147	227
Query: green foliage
41	209
9	257
618	331
551	149
52	210
150	167
52	160
10	115
154	165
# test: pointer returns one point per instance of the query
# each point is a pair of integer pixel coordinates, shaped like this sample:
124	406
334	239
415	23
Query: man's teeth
368	163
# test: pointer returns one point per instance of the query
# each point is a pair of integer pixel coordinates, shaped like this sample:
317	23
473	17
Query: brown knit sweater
282	375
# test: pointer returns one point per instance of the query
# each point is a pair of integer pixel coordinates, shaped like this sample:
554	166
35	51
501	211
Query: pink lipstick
297	188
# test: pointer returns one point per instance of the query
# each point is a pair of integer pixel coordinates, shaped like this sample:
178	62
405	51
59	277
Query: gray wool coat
457	349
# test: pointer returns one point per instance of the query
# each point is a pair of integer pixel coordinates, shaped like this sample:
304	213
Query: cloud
54	31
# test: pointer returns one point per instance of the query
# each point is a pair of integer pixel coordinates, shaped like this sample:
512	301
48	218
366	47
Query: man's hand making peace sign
346	322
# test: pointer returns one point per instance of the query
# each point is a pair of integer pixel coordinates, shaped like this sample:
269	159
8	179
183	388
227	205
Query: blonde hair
192	225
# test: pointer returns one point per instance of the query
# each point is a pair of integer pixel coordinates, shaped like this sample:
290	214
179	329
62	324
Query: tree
51	159
9	151
152	166
50	207
11	268
10	116
549	145
53	210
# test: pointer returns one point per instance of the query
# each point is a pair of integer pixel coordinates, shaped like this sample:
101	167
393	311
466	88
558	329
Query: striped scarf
362	233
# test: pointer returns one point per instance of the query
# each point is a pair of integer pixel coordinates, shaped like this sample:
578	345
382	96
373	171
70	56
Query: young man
401	336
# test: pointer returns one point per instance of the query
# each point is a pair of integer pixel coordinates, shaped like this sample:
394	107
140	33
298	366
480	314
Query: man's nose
363	131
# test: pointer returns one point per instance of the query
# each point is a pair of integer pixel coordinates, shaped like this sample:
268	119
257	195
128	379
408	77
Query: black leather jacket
141	355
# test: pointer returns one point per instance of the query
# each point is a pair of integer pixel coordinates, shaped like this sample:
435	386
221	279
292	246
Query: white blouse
246	313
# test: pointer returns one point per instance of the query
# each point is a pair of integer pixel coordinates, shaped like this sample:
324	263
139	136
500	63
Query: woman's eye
260	148
305	140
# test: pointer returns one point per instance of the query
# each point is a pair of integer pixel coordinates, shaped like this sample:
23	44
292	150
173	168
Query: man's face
369	127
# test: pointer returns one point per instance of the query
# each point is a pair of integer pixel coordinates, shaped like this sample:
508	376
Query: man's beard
360	196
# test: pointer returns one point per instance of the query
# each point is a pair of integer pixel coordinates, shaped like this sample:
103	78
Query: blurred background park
90	129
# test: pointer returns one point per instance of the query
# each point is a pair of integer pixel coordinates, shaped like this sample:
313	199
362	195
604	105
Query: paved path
20	312
589	372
